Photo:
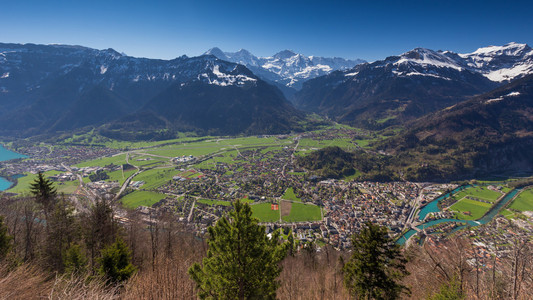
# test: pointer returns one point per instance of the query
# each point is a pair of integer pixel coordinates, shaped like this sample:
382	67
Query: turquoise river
433	207
6	154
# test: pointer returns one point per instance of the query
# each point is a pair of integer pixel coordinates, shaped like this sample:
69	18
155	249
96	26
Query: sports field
120	176
264	213
301	212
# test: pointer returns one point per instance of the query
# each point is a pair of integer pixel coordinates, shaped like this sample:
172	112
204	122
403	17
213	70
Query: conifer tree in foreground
115	263
75	262
242	261
376	265
44	192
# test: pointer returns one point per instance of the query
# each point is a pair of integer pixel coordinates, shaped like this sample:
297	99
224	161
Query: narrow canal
433	207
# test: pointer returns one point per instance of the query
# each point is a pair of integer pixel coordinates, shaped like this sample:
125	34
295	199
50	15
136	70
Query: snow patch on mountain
351	74
307	72
508	73
224	79
426	74
511	94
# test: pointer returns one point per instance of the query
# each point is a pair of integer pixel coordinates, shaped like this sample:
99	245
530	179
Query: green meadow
144	198
289	195
524	201
475	208
264	213
479	192
301	212
154	178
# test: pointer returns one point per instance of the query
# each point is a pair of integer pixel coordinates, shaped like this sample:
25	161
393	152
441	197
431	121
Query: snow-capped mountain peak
215	51
286	67
243	52
511	49
501	63
427	57
243	57
285	54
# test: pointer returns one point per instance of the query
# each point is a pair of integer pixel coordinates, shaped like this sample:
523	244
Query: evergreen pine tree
74	260
242	261
376	265
44	192
115	262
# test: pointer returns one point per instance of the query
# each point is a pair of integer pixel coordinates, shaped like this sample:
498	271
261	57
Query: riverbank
7	182
433	207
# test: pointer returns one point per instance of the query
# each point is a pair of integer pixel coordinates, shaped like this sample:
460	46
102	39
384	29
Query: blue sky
353	29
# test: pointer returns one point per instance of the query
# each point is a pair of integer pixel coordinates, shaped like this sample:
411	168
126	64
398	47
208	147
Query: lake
6	154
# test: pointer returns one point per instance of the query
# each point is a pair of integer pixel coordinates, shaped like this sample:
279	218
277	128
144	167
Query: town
198	189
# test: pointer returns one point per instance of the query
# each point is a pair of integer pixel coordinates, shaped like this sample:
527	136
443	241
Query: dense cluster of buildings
48	158
262	175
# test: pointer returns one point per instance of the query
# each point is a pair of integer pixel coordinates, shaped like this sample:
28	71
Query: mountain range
286	69
401	88
53	88
50	88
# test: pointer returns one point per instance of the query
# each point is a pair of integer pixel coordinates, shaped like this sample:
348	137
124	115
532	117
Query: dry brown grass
23	282
78	288
29	282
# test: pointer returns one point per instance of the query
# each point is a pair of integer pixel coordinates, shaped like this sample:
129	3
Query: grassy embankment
474	202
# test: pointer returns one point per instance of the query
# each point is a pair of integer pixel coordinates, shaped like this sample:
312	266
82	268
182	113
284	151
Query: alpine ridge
401	88
286	68
50	88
